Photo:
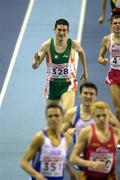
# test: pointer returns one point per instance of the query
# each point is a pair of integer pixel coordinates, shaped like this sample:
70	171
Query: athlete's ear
68	30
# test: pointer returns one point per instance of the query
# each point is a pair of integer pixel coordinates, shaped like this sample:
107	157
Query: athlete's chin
60	38
102	125
88	103
116	30
53	127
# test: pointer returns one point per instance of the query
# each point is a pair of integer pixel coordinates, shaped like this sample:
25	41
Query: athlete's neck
103	134
60	43
116	36
54	133
85	108
103	129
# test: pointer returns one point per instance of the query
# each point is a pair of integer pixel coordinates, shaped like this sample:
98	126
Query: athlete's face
116	25
61	32
54	118
101	117
87	96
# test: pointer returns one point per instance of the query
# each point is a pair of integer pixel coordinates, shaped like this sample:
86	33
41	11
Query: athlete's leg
115	93
68	100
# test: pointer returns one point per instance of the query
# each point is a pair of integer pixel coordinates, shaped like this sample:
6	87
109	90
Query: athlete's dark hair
61	21
88	85
115	14
54	105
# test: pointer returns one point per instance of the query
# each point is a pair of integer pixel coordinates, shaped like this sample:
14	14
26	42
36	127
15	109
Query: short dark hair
88	85
114	15
63	22
54	105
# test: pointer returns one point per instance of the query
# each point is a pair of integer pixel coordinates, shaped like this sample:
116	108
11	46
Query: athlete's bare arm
82	57
103	10
68	137
36	144
117	135
39	57
113	120
104	47
81	144
69	119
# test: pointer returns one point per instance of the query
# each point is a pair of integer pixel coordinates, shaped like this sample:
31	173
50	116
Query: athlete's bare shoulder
39	134
85	134
87	129
70	115
116	131
75	44
106	39
38	139
46	44
105	42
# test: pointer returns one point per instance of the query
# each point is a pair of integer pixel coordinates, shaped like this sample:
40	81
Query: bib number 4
115	60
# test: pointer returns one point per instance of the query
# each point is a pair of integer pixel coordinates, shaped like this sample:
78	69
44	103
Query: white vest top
114	50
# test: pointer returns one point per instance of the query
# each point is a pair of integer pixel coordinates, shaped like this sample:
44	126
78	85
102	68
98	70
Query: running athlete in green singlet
61	78
61	71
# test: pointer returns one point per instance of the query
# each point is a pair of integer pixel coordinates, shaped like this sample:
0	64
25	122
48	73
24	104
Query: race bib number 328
60	70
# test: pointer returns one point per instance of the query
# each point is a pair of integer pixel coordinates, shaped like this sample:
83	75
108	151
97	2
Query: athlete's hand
70	131
40	177
98	165
105	61
101	19
36	61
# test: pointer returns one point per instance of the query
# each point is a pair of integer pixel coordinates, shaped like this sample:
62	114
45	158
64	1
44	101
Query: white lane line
16	50
80	27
